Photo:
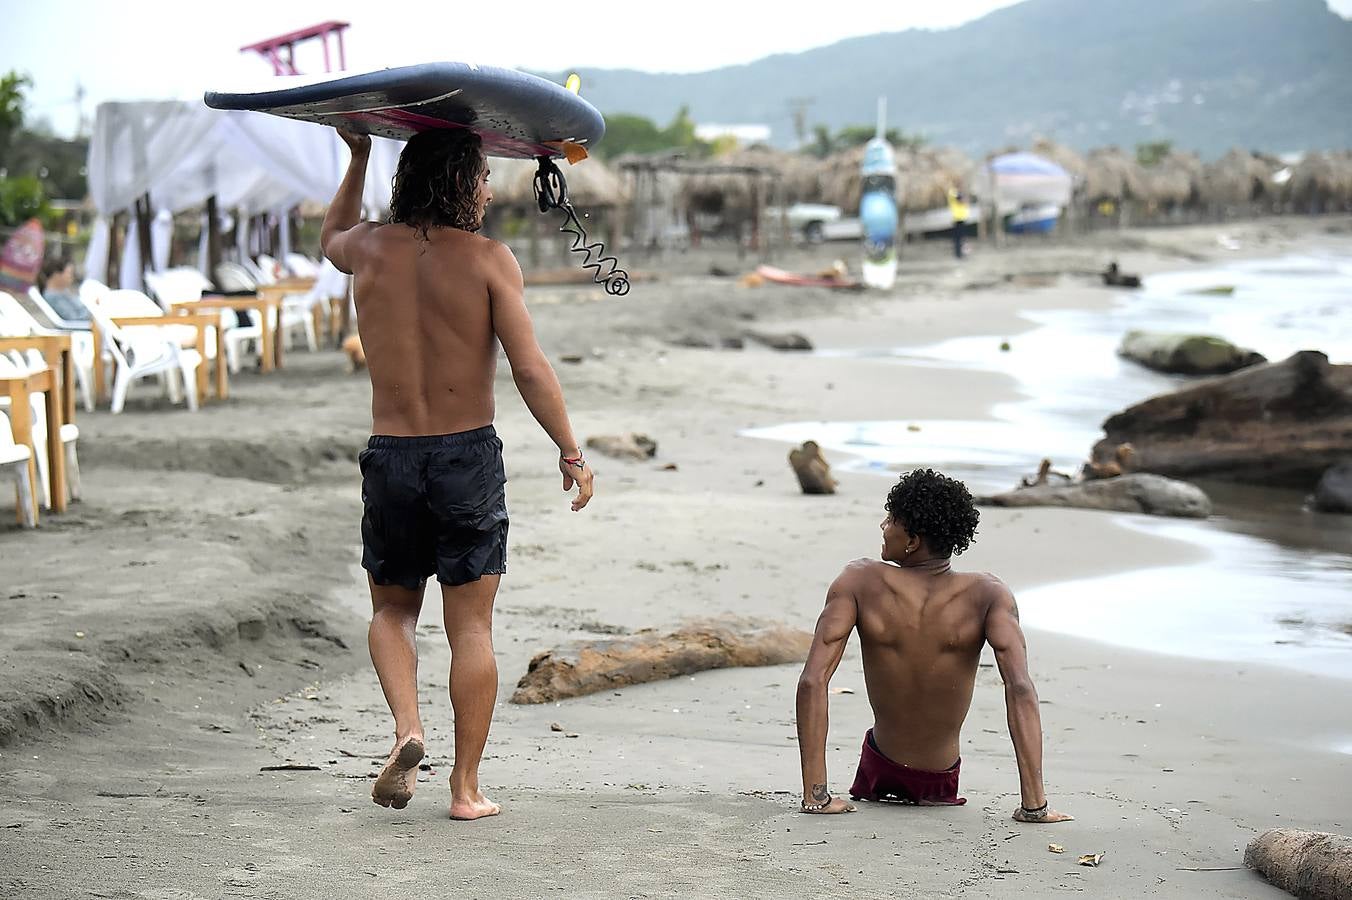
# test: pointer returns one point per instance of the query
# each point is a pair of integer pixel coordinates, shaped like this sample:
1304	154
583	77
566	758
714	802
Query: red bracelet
576	462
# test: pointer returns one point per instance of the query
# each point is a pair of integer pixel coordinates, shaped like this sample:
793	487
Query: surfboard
878	207
517	114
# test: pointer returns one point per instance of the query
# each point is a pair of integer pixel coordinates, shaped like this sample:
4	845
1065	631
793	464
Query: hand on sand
357	143
581	477
835	807
1046	819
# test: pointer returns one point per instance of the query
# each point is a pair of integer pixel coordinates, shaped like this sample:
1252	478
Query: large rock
1187	354
591	666
1334	491
1136	493
1310	864
1281	424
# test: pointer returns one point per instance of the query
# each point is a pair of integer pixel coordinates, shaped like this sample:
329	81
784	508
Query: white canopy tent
182	153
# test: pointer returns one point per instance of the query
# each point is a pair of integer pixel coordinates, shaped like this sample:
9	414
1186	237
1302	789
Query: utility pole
798	109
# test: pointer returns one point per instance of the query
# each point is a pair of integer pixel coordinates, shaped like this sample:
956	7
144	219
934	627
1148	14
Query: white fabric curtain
182	153
161	236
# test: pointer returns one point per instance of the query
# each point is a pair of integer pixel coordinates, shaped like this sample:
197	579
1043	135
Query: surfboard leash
551	192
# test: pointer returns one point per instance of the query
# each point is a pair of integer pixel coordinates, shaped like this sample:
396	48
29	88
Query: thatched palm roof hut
1321	182
591	183
1111	174
1236	179
1174	181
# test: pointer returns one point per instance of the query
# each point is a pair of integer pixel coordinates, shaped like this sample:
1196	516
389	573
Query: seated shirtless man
434	300
921	629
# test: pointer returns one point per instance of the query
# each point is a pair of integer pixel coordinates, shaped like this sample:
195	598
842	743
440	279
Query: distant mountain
1207	74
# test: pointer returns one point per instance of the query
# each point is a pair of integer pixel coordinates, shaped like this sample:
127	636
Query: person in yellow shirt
957	205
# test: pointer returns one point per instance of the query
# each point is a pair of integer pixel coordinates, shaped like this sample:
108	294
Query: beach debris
1004	346
836	277
842	690
1045	475
629	445
1282	424
913	427
670	467
1219	290
571	358
1120	464
585	667
1333	494
1312	865
788	340
1186	354
555	726
289	767
812	469
1153	495
1056	848
1115	277
1091	859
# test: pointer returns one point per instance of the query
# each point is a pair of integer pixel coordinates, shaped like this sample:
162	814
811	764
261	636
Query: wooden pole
213	239
119	223
143	231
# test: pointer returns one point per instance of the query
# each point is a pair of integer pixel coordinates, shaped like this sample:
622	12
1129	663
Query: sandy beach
200	616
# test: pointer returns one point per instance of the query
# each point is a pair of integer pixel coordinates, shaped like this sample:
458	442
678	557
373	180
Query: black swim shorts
434	505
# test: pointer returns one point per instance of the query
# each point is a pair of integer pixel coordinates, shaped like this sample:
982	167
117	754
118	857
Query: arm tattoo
820	794
1014	607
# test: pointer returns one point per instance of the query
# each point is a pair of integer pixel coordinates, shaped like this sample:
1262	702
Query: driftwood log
591	666
1187	354
814	473
1310	864
1334	492
1280	424
1137	493
629	445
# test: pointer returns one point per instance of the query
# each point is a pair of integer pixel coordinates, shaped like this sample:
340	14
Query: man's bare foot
476	806
397	780
1046	817
835	807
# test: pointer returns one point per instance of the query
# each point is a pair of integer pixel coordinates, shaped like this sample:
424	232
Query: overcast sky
155	49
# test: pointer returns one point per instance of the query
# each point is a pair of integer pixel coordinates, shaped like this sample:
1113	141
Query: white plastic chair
15	321
16	363
14	463
144	351
268	270
301	266
233	278
57	320
299	308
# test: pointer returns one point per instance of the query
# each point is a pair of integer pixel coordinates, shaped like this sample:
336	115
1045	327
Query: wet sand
223	546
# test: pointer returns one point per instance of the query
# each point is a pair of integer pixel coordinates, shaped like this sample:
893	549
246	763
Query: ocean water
1278	585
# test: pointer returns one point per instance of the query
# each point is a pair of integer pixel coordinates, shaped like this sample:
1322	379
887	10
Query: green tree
21	199
1152	153
824	143
627	133
12	85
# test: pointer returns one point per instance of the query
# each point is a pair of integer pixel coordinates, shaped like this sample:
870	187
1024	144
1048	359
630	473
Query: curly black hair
936	508
437	181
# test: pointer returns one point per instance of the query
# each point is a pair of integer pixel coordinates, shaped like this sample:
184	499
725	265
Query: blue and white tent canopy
1017	180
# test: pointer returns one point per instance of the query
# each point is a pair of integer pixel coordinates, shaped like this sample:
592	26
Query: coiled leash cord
551	192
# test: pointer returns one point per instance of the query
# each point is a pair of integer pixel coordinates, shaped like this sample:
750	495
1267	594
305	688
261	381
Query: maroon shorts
879	778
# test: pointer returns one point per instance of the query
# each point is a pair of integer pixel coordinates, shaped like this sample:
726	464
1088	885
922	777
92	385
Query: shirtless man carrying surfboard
434	300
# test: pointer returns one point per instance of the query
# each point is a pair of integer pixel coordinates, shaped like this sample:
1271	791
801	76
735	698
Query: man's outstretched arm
1005	636
535	378
336	235
828	645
